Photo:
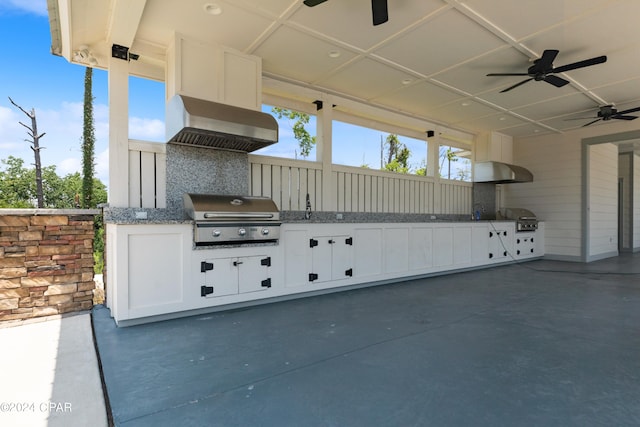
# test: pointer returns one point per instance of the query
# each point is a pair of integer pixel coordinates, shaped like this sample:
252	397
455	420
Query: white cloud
146	129
67	166
38	7
102	166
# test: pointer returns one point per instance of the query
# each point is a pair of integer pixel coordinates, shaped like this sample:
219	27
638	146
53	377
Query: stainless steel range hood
196	122
500	173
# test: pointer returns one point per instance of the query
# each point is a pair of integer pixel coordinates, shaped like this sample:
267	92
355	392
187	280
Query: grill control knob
265	231
216	233
242	232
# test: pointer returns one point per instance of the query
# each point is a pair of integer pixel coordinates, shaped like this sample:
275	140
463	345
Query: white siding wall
603	200
636	202
555	193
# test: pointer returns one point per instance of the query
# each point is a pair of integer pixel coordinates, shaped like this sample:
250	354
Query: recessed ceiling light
407	81
212	8
334	54
502	118
465	104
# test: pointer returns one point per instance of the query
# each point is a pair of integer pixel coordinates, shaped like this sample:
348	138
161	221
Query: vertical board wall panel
148	179
134	180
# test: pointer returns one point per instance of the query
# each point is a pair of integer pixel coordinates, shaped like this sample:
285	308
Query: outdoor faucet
307	213
478	210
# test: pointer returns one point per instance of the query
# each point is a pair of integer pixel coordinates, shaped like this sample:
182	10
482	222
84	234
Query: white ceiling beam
124	21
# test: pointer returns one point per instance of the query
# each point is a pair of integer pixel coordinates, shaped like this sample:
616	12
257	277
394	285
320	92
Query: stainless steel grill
524	218
224	219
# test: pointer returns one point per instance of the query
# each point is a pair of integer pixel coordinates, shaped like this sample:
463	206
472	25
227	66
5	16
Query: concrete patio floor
542	343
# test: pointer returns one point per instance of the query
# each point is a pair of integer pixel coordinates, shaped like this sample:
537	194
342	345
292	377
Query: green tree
397	158
88	144
300	133
18	187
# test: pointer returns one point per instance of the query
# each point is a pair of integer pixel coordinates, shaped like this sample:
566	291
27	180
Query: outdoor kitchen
230	234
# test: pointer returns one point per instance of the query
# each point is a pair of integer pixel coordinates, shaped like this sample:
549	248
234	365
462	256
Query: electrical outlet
432	217
141	215
339	216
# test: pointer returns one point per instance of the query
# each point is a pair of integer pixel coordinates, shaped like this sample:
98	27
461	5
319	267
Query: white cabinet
146	269
368	259
230	276
213	72
525	245
331	258
495	147
499	244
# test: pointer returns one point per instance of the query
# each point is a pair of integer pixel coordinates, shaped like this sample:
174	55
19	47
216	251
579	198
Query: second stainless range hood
197	122
500	173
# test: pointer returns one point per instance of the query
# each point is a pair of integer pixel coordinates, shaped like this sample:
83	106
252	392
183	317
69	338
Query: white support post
118	132
324	144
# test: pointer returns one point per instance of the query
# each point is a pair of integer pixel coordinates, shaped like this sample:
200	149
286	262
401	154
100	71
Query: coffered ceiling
429	60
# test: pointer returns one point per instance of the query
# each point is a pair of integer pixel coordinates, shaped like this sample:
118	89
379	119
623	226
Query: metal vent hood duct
500	173
197	122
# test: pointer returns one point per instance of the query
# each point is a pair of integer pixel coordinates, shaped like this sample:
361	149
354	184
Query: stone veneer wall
46	262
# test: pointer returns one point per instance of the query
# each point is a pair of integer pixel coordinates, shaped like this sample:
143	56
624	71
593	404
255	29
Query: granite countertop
166	216
372	217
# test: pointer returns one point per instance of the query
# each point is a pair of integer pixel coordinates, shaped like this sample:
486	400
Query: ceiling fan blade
312	3
590	123
516	85
546	60
624	117
380	12
631	110
580	64
507	74
556	81
581	118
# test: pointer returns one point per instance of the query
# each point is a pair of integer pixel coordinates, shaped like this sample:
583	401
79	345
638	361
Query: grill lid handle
237	215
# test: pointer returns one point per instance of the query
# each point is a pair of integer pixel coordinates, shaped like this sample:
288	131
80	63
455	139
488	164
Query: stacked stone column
46	264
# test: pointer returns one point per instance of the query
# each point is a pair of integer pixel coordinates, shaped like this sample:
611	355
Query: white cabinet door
525	245
321	259
420	248
342	258
220	277
396	250
253	273
331	258
297	257
498	248
229	276
367	252
442	246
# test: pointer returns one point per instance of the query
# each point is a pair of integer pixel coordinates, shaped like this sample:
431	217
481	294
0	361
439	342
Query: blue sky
36	79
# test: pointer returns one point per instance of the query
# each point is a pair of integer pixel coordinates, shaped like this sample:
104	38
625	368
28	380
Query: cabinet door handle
237	263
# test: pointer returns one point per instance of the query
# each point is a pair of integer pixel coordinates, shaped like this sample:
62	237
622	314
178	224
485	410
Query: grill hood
192	121
500	173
